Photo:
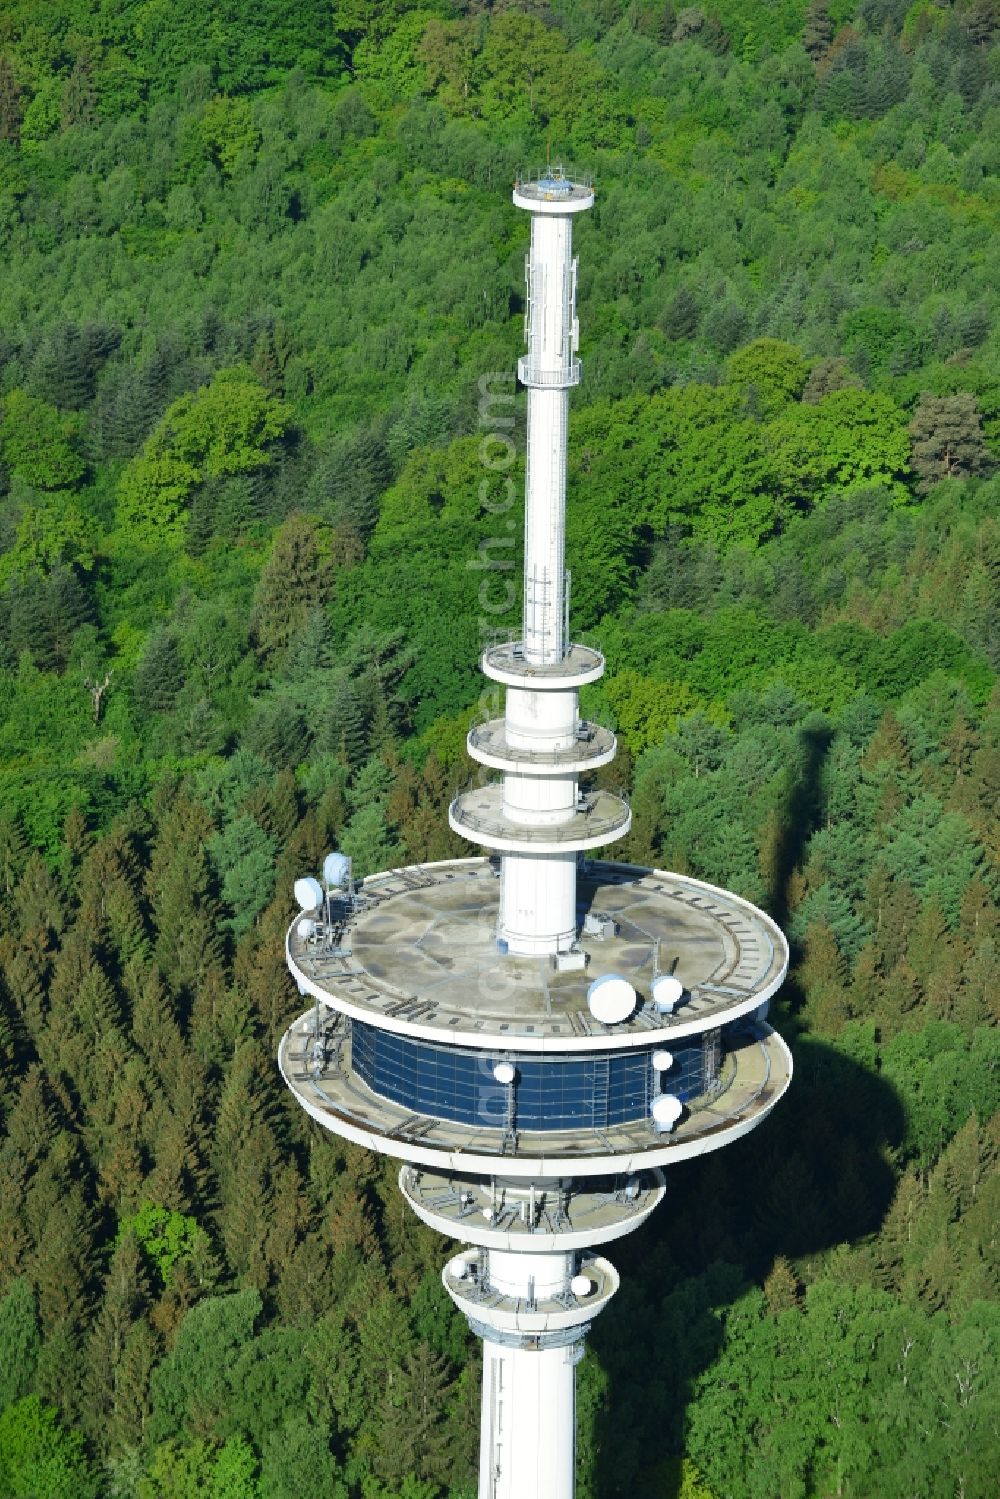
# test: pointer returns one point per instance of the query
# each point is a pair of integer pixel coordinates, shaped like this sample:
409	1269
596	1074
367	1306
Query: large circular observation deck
320	1072
416	954
417	1006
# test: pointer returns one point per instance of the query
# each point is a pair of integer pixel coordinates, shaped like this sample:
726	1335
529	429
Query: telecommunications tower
535	1033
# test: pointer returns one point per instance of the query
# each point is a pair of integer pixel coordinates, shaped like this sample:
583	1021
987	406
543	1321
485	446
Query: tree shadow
814	1176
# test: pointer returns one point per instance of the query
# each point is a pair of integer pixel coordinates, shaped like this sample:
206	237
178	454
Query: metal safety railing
594	817
532	374
592	742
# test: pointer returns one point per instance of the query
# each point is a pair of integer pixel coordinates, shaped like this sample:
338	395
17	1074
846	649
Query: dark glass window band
568	1092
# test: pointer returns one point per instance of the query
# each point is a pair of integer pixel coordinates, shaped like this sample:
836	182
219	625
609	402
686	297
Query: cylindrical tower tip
554	191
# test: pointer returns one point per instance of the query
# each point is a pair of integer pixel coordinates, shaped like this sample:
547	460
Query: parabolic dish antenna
666	1111
667	992
308	893
611	999
336	868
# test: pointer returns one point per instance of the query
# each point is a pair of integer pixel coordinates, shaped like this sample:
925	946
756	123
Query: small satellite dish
504	1073
662	1061
581	1286
305	928
336	869
611	999
458	1267
666	1111
308	893
667	992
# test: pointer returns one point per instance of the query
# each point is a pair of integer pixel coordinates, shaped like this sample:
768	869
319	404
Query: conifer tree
413	1437
179	1176
11	1050
13	856
181	888
14	1238
305	1290
124	1301
947	437
160	674
154	1025
79	102
26	966
122	1159
19	1343
261	974
781	1288
267	364
38	900
297	577
11	111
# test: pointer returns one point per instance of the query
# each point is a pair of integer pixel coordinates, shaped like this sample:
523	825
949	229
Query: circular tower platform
417	1009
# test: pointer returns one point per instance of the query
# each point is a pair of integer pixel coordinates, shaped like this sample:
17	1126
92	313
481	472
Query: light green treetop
39	443
226	427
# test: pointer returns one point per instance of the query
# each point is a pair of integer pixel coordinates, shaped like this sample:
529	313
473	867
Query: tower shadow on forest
800	819
814	1176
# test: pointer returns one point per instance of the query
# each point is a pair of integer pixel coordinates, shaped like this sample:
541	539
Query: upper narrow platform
479	815
594	746
551	1217
507	663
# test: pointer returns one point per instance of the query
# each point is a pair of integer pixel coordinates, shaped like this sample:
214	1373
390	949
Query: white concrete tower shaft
538	888
548	370
537	817
532	1311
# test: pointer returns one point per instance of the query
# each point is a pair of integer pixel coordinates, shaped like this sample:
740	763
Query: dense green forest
261	302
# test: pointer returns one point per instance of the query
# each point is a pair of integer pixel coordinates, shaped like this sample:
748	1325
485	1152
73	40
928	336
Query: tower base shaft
528	1439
